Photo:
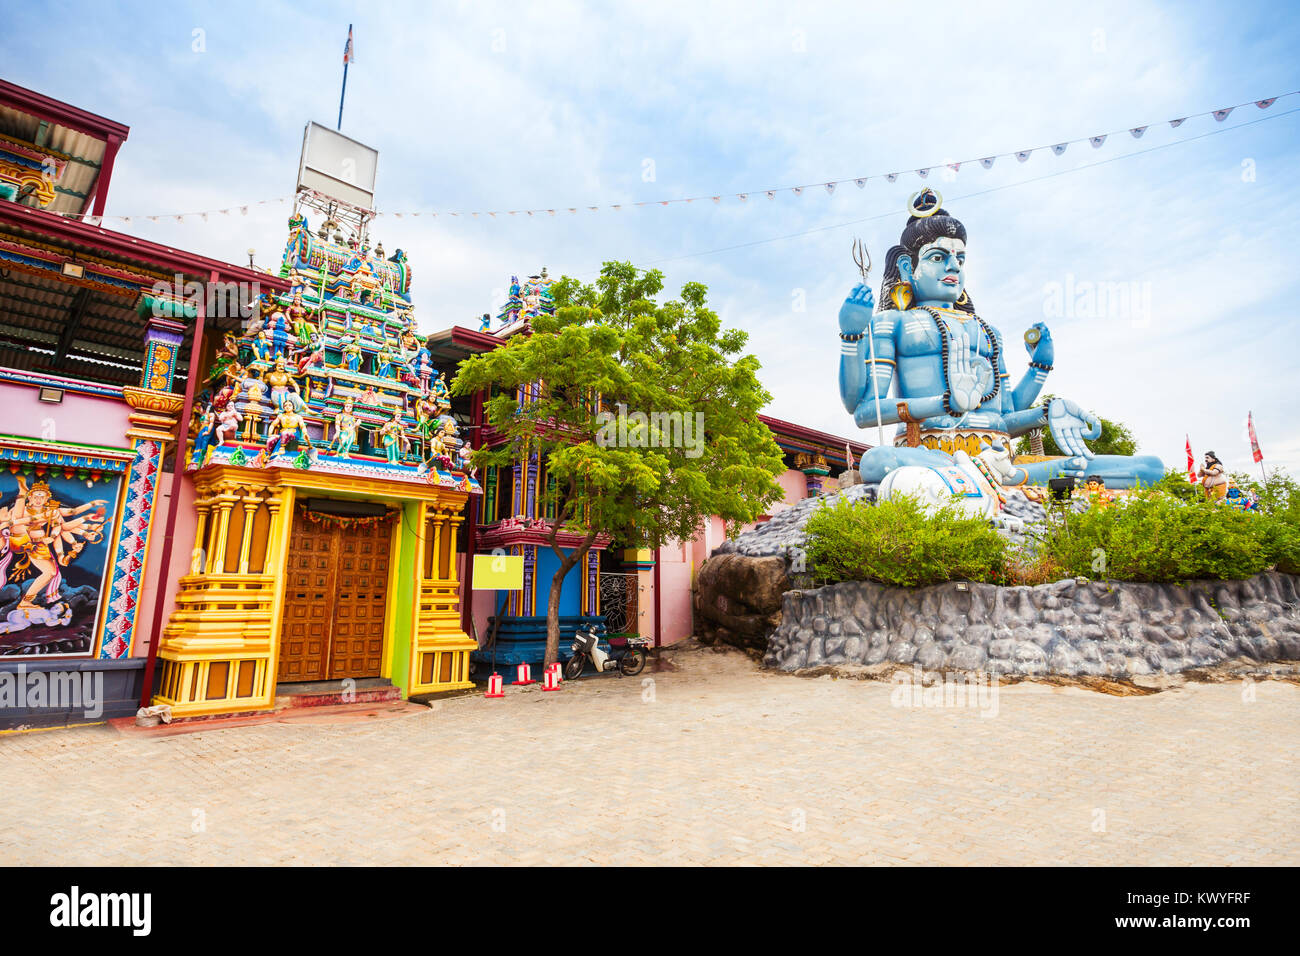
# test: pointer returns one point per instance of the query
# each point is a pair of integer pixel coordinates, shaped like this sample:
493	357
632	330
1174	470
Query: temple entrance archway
335	598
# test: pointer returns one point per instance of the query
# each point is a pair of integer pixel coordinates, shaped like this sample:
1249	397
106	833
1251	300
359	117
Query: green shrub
1160	534
1281	538
894	542
1152	536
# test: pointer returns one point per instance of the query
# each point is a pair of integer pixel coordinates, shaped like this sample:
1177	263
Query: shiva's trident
863	260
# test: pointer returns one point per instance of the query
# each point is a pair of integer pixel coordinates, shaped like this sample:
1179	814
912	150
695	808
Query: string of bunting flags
1021	155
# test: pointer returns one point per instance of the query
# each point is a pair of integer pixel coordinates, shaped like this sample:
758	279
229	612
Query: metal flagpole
347	56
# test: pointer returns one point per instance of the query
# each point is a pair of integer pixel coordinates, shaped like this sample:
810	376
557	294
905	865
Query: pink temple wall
87	419
678	564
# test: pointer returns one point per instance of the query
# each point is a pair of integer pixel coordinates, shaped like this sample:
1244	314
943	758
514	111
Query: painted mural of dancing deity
947	367
39	537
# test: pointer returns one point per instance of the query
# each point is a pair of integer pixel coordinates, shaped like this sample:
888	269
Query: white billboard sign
337	166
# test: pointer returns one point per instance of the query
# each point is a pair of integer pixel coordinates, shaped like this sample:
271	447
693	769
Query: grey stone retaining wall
1096	628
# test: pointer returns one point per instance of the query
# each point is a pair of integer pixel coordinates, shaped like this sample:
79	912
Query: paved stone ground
716	762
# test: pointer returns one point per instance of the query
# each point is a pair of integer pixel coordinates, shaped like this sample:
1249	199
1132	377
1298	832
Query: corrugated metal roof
107	344
85	154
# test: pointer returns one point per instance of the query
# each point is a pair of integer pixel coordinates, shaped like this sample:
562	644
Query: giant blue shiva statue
947	366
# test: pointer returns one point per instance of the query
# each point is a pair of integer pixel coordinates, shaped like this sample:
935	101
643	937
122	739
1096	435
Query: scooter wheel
573	667
633	662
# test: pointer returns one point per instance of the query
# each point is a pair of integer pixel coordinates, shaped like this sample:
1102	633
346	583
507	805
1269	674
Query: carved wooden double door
335	597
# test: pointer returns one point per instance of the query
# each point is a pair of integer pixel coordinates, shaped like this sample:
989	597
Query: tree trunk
557	585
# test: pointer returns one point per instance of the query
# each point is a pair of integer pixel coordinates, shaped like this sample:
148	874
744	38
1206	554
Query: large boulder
738	600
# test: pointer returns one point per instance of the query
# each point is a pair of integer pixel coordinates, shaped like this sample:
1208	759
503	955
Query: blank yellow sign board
498	572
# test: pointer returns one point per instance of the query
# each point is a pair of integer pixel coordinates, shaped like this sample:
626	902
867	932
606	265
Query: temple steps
330	693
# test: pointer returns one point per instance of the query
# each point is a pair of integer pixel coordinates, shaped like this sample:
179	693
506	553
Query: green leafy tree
630	463
1116	439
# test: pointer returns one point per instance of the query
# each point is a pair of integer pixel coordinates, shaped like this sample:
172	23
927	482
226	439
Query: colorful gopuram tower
330	487
515	519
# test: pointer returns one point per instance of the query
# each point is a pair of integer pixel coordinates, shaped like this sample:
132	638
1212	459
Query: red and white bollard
524	675
551	678
494	687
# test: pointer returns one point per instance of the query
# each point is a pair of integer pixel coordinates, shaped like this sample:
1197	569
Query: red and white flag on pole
1191	462
349	53
1254	439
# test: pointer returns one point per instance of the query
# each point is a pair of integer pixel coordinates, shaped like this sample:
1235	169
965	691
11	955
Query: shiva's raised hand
855	313
969	376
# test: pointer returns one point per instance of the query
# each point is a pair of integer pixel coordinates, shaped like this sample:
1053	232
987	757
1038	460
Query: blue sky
478	106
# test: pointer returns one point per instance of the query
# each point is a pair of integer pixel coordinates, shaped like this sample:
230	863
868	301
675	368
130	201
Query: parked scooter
628	654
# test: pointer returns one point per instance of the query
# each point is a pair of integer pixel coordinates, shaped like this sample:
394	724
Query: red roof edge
56	111
469	338
791	430
155	254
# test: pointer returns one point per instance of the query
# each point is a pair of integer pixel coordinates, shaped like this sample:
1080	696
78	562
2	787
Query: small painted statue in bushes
1098	496
1213	478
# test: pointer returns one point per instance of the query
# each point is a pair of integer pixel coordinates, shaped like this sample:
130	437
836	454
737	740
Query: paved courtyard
713	762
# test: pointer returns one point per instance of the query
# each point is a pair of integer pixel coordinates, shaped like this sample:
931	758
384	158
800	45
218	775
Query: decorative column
527	604
218	651
153	422
440	649
815	468
250	503
162	344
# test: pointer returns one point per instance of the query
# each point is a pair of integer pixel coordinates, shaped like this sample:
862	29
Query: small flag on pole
1254	439
1191	462
349	53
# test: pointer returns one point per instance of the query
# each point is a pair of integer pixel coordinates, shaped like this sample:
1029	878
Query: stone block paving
715	762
